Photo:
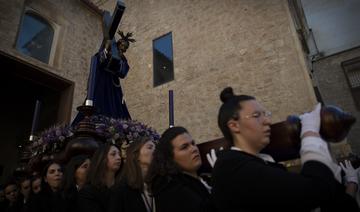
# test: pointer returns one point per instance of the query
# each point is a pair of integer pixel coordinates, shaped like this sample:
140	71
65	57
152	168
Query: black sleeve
179	197
88	200
116	200
256	182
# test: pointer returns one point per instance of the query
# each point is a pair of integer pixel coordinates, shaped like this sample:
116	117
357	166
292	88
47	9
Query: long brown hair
97	171
132	171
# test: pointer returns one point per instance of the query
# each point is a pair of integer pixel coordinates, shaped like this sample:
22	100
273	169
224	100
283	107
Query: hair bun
226	94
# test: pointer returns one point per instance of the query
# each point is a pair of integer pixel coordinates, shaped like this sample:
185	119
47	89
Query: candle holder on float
24	152
85	140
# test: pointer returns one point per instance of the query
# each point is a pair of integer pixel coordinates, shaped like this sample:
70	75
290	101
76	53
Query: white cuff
314	148
352	179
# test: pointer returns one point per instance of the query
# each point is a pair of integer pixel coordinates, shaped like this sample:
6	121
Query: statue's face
123	45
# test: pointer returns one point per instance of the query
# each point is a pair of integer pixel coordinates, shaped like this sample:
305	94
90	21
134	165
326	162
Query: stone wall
77	37
249	45
335	90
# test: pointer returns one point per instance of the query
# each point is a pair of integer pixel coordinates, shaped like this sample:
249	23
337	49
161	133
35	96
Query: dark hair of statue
132	173
163	163
230	110
125	38
98	167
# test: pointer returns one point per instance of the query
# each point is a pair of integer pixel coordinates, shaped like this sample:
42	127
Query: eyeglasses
259	114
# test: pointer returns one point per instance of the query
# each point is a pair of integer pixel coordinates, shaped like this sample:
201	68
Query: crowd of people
163	176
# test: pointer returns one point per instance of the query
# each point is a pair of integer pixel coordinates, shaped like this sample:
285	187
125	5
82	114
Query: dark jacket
93	199
243	182
123	198
46	201
180	193
70	197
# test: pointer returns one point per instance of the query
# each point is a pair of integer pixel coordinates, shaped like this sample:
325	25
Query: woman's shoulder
228	156
89	191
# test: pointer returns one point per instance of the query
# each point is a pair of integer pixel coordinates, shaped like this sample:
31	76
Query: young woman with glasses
242	181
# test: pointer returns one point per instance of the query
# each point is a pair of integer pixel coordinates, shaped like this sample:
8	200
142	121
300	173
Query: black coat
70	197
123	198
93	199
46	201
180	193
243	182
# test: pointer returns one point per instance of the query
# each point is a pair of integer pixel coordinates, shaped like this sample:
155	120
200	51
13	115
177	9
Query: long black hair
230	110
163	163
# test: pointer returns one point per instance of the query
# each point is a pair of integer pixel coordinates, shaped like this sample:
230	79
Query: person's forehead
181	139
113	149
251	106
54	166
38	180
10	187
25	182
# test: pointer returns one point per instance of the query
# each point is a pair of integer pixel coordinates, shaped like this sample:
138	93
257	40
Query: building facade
45	51
251	46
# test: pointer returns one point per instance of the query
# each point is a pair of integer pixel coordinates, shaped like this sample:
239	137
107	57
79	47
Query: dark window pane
163	59
35	37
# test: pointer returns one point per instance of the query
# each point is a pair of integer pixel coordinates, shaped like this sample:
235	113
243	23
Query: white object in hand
311	121
211	157
350	172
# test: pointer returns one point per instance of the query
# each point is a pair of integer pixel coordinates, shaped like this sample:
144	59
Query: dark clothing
18	206
46	201
92	199
180	193
108	95
71	199
243	182
123	198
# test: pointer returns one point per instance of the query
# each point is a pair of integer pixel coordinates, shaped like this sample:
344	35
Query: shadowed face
186	153
36	185
81	173
123	45
113	159
11	193
25	188
146	153
54	176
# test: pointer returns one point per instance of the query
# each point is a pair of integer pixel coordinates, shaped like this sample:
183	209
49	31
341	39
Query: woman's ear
233	126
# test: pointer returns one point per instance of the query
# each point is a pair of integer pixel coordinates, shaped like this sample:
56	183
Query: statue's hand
103	55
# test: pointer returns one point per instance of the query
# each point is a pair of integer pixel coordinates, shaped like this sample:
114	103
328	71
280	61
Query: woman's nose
195	149
267	120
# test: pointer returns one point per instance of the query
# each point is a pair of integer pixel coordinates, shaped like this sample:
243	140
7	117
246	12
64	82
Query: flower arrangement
51	140
122	132
119	131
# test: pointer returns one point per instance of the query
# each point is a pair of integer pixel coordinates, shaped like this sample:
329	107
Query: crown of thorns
126	37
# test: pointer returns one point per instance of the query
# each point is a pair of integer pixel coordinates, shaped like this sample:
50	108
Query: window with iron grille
352	72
